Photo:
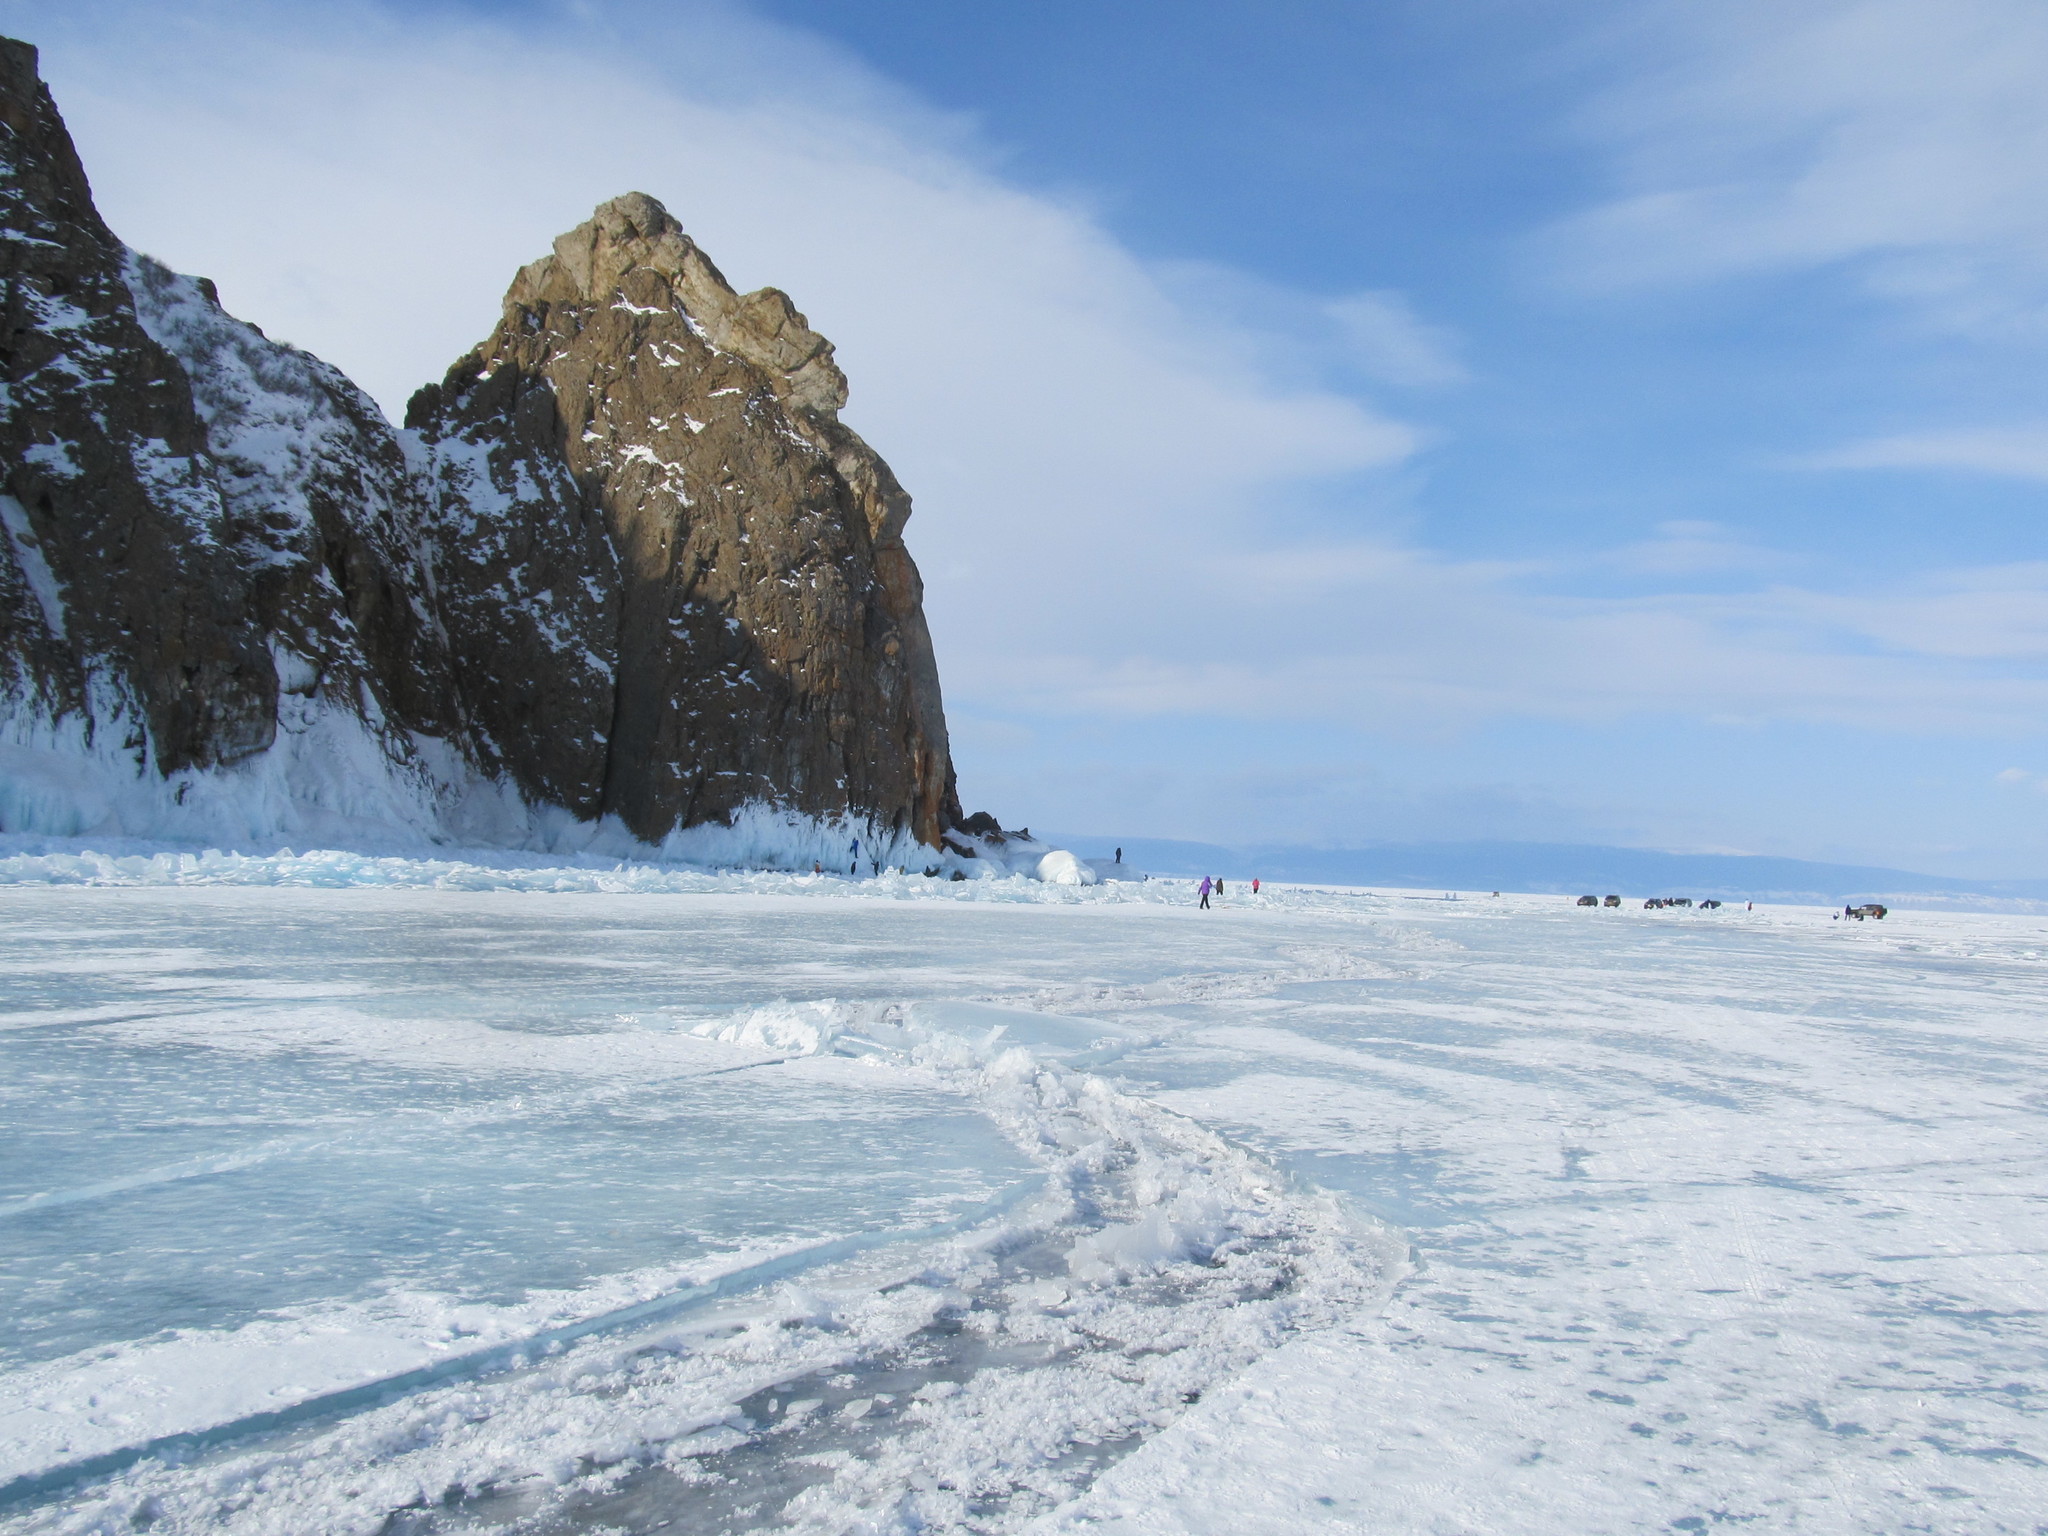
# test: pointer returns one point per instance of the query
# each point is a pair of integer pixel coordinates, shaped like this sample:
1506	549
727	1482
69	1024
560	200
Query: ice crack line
501	1357
496	1112
1201	986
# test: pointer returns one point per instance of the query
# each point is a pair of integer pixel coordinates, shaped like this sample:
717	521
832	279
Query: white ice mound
1061	868
802	1029
1188	1226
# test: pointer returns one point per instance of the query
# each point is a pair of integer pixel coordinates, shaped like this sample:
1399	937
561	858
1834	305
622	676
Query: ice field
389	1196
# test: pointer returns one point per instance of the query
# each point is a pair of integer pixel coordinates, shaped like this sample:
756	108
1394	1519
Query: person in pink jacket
1205	893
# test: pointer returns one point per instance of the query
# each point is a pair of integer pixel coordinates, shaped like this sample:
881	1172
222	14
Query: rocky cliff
675	581
110	496
625	566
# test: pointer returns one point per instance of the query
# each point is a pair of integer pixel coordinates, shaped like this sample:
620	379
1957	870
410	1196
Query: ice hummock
757	858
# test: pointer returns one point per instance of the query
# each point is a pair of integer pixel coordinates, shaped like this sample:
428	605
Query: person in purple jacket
1205	893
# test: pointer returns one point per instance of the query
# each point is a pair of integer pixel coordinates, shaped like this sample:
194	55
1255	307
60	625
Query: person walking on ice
1205	893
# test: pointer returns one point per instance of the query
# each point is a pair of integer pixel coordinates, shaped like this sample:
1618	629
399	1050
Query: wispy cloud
1374	335
2023	778
1906	140
1421	645
2017	452
1694	547
1390	342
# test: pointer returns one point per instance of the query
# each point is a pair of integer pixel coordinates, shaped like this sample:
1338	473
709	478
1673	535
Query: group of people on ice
1212	885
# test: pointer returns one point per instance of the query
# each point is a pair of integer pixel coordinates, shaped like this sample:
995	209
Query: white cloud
1693	547
1998	613
1373	334
2018	452
1390	342
2021	778
1419	646
1906	139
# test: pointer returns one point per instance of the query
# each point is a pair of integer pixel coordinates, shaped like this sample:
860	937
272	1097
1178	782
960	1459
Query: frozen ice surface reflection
217	1107
159	1192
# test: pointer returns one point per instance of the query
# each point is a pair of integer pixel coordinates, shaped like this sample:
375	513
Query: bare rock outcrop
121	600
646	471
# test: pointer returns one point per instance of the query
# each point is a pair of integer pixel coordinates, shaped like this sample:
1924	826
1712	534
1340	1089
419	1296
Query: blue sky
1587	422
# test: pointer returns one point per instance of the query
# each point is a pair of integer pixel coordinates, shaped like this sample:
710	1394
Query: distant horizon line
1549	867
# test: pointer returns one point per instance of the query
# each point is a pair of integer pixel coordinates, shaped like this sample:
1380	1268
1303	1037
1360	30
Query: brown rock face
123	602
717	562
632	563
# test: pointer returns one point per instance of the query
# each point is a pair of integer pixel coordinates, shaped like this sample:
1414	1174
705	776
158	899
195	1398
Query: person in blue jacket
1205	893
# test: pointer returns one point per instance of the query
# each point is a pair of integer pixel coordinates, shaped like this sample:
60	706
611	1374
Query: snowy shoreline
27	859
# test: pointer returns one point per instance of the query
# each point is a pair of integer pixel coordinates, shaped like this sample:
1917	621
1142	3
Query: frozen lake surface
350	1195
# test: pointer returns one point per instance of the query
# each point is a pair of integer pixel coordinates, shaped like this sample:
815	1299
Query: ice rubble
763	850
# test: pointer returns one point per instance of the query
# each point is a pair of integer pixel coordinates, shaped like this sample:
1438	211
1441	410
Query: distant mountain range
1564	868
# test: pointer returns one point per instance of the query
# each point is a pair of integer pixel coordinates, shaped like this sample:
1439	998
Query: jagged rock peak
687	590
635	232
